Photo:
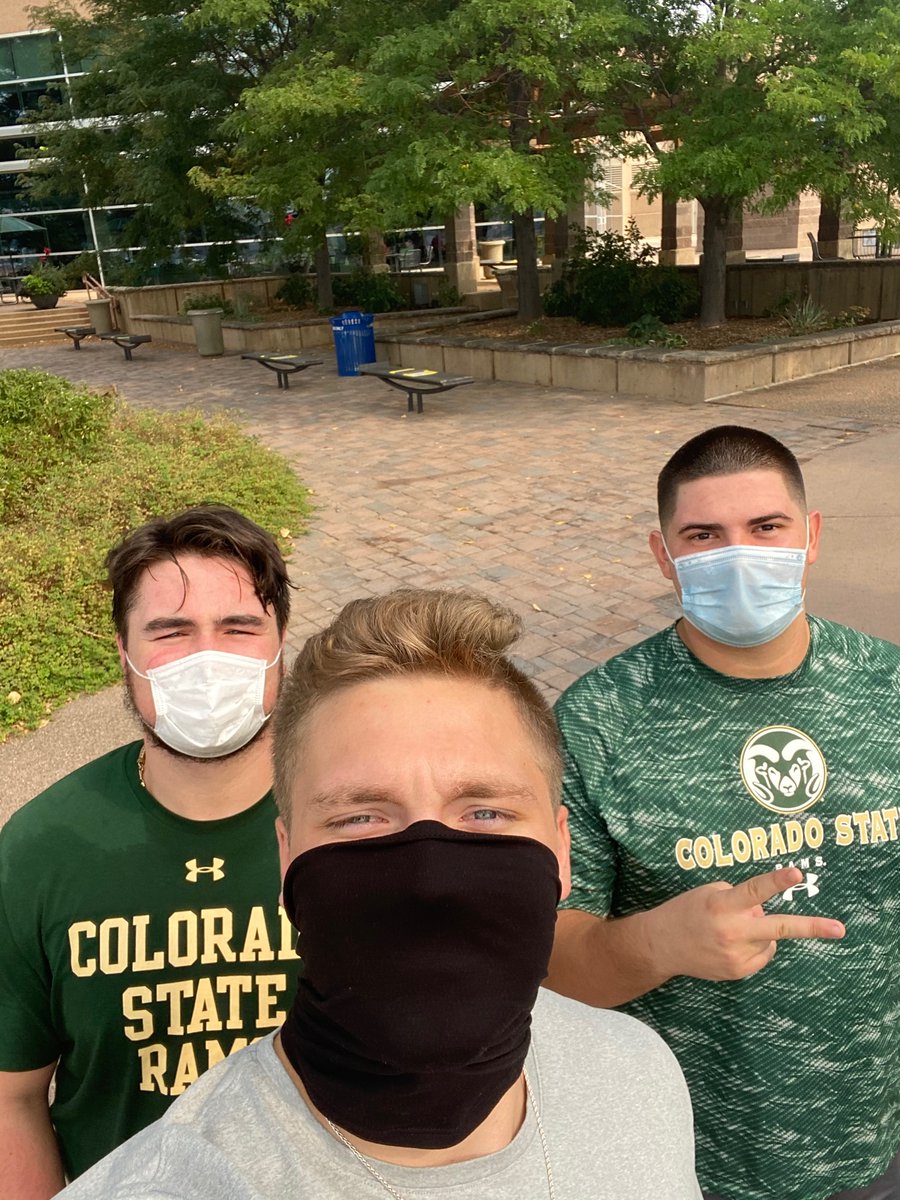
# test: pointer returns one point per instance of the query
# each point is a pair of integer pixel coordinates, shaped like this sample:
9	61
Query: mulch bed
562	330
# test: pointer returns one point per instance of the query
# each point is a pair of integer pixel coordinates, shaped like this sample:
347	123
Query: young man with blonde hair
747	756
424	850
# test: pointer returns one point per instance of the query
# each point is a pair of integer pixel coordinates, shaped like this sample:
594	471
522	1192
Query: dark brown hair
210	530
410	631
726	450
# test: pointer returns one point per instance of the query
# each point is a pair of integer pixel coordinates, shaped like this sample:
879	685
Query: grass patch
77	471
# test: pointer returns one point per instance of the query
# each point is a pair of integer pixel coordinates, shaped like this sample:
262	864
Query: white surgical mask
208	704
742	595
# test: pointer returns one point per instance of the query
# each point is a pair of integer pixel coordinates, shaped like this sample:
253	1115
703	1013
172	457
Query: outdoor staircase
23	325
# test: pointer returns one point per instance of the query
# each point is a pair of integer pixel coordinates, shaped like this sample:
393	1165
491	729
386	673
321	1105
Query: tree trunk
526	271
829	220
716	212
517	99
668	240
324	294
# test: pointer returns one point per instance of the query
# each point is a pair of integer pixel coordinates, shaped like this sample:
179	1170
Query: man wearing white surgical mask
733	786
141	938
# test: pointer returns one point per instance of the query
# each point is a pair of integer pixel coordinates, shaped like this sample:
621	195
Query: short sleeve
27	1037
586	778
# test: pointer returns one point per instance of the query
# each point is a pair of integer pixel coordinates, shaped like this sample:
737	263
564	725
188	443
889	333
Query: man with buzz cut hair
140	933
424	850
747	756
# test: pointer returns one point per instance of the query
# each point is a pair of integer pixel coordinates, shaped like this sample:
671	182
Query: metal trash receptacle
207	323
354	341
99	315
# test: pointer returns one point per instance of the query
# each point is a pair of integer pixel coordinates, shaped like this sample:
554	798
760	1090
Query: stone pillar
463	266
734	237
835	233
677	246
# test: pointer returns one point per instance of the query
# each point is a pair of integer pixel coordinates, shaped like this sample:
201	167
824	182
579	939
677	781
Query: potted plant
43	287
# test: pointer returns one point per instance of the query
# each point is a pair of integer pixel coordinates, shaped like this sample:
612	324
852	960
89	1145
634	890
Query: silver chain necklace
388	1187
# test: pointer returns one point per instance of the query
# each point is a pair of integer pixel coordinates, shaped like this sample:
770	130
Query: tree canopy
368	114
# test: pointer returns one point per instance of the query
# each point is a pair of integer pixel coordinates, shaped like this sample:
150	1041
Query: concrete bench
416	382
76	332
126	341
284	365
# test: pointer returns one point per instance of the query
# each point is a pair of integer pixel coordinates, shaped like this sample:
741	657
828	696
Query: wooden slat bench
284	365
76	332
416	382
126	341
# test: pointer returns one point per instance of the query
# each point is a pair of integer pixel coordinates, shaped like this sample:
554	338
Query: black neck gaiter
423	952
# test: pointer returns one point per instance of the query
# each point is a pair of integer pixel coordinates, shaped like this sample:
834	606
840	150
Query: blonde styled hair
409	631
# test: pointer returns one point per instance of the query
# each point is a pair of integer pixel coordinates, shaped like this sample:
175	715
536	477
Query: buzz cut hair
409	632
726	450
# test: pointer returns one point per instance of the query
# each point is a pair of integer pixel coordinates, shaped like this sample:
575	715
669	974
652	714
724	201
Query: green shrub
84	264
806	316
369	292
613	279
44	280
45	422
856	314
447	296
648	330
56	637
297	291
208	300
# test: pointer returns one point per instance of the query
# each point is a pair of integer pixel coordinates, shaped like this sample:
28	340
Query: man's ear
658	549
284	853
815	534
284	850
563	852
120	646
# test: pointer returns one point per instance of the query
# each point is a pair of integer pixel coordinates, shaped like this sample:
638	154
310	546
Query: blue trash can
354	341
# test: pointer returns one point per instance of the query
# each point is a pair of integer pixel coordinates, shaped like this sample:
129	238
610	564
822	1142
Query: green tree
150	108
389	111
746	104
483	100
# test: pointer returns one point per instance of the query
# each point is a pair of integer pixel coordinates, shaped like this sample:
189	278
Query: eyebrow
716	527
171	623
350	797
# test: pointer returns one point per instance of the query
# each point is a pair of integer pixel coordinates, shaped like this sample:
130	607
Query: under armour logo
194	870
808	886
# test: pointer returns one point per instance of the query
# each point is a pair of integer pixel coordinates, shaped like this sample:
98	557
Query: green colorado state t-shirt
679	776
136	946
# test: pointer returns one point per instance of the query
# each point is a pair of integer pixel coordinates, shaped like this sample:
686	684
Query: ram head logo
783	769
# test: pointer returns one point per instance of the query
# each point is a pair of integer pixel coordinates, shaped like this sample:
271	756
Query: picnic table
416	382
284	365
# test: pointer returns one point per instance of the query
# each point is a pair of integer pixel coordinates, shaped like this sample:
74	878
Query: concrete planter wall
683	376
166	299
240	337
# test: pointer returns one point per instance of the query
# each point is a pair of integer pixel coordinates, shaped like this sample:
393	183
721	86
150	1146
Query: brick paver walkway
540	498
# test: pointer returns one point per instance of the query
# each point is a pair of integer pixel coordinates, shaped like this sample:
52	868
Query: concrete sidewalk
541	498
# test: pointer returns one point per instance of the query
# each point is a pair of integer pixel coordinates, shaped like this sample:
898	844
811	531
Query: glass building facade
32	66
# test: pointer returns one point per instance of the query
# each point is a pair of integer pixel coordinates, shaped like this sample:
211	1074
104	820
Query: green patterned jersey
678	776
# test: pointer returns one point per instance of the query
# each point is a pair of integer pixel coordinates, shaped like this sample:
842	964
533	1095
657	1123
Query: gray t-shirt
613	1102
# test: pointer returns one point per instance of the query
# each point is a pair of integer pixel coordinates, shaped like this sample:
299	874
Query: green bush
806	316
45	423
648	330
208	300
297	291
84	264
120	466
613	279
369	292
44	280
